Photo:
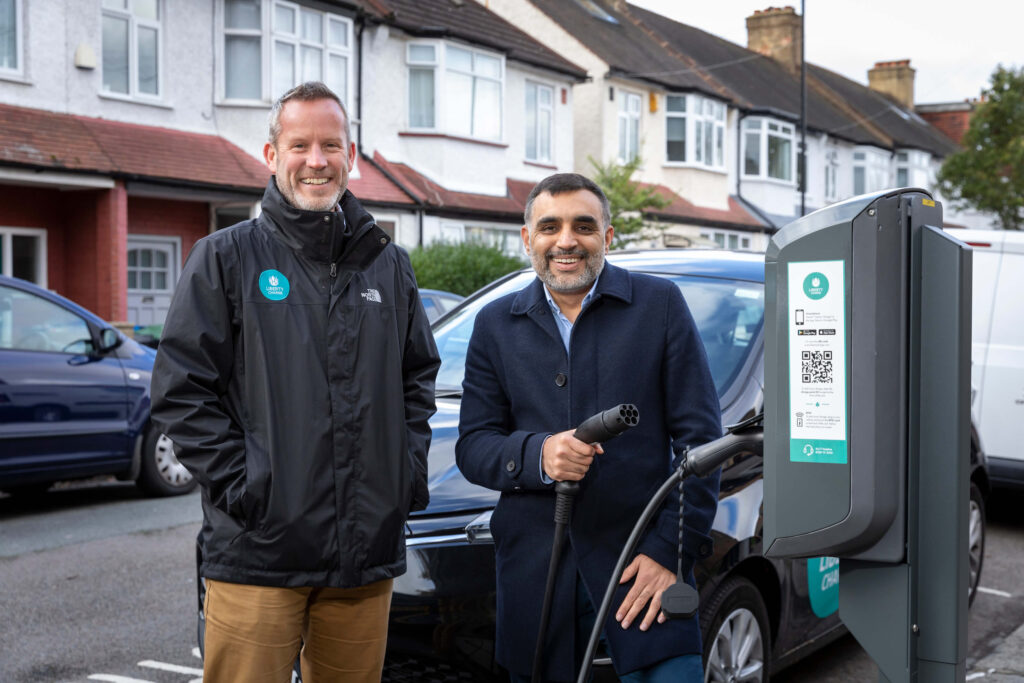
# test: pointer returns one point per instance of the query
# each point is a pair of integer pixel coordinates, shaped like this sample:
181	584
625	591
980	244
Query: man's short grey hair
560	183
304	92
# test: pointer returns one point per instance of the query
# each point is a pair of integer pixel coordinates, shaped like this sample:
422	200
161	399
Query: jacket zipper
334	270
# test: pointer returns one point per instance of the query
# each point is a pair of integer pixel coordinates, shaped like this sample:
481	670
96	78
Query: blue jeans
682	669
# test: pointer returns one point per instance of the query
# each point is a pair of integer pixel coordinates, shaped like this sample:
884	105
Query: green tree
988	173
461	268
627	198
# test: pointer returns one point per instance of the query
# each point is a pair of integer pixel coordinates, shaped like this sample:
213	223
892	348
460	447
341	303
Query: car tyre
976	541
736	634
160	473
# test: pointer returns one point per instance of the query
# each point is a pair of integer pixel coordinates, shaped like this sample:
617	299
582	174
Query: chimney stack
775	32
895	79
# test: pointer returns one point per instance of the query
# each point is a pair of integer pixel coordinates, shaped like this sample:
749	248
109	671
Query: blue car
74	399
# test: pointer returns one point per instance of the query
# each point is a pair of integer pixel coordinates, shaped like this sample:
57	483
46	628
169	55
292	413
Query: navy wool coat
635	342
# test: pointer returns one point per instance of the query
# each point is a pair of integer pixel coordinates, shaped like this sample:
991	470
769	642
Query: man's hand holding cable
566	458
651	580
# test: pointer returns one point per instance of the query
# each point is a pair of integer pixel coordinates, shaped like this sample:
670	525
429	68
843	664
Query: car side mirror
109	339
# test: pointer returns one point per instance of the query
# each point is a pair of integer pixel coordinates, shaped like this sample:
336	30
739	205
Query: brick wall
170	218
952	123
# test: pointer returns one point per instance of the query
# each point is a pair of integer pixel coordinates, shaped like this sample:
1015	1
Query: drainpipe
803	115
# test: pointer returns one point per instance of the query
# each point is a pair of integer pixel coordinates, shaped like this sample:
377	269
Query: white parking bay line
993	591
195	653
977	674
116	679
173	668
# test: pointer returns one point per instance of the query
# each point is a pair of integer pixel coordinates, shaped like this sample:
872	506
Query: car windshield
728	313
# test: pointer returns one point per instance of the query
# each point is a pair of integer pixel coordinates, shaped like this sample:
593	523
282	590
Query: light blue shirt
564	330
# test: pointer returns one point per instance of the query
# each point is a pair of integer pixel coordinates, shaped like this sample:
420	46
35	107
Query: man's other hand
566	458
651	580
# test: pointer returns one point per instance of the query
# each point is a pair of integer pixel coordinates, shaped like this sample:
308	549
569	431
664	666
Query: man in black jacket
296	377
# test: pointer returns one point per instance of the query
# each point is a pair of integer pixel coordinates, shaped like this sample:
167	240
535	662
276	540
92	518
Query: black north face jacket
295	376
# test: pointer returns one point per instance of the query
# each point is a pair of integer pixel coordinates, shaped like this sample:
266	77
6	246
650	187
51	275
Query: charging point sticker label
817	362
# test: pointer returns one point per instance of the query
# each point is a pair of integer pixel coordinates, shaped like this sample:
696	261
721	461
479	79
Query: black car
757	615
74	399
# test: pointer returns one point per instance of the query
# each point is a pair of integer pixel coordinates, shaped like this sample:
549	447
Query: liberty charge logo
274	285
815	286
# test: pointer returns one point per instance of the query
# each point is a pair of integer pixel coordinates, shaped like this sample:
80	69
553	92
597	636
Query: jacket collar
348	237
612	282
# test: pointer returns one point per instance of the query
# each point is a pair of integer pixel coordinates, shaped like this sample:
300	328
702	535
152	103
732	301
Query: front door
152	274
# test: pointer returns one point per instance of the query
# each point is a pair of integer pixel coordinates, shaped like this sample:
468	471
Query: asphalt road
98	584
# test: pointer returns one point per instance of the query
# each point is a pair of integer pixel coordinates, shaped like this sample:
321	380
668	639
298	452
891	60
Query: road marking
979	674
196	654
173	668
116	679
993	591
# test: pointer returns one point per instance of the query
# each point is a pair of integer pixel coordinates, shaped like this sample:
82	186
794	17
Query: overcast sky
953	45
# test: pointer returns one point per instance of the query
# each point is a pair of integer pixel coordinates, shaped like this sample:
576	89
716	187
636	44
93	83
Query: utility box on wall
867	420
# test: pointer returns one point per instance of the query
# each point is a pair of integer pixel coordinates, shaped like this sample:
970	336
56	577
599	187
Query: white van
997	357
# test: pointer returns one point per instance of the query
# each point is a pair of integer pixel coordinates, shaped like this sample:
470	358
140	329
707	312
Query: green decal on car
274	285
823	585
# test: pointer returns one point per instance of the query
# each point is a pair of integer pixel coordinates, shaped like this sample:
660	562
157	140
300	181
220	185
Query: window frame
761	126
134	23
268	37
441	69
831	175
729	239
626	114
698	121
873	165
540	158
7	234
18	71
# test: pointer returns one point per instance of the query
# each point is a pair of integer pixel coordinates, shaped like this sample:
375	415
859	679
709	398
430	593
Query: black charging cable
700	461
599	428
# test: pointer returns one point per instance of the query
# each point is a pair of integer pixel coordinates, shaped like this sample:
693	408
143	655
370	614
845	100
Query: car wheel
976	541
736	634
160	473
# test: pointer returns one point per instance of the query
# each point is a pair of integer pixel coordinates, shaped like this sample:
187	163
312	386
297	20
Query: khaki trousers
253	633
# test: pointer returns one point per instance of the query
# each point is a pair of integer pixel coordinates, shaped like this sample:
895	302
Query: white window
870	170
540	100
467	84
23	254
675	128
131	47
629	126
768	149
709	132
727	239
11	38
295	43
831	175
697	119
902	169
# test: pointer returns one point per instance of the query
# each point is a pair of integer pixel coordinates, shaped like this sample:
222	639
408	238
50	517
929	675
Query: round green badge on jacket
274	285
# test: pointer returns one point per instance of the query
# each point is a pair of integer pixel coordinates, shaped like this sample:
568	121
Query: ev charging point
867	421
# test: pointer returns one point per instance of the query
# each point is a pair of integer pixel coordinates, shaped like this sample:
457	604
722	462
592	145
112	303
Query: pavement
1005	664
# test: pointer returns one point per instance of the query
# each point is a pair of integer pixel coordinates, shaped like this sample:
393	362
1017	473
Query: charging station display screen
817	362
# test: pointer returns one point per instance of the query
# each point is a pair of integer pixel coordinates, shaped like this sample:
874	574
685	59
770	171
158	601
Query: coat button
560	379
511	466
327	219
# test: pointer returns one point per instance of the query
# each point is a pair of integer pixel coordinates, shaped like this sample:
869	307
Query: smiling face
566	240
312	156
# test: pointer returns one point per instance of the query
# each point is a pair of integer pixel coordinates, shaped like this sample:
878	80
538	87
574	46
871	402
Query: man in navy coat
583	337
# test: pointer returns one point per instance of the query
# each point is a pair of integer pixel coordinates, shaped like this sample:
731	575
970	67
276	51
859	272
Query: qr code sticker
816	367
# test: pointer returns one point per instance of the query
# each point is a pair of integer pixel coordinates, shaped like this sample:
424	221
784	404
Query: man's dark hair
304	92
560	183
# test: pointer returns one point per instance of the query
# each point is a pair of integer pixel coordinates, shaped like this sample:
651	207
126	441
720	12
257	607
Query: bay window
696	118
297	43
768	149
467	84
